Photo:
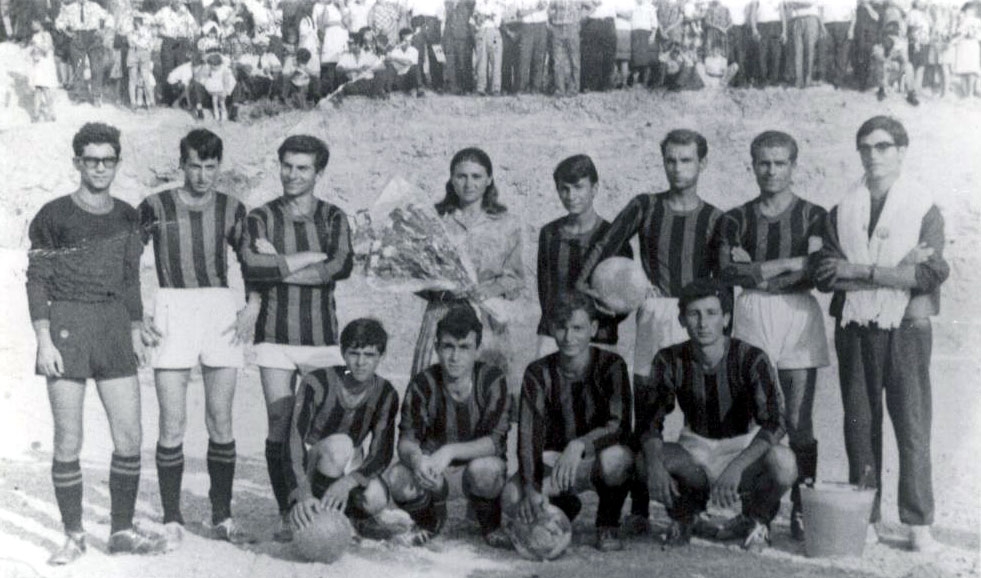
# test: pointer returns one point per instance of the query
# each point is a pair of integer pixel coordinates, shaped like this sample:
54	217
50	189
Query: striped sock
170	474
221	470
67	478
276	466
124	483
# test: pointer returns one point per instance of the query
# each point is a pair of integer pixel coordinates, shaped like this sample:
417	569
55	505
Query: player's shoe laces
134	541
415	536
227	530
758	538
72	550
285	531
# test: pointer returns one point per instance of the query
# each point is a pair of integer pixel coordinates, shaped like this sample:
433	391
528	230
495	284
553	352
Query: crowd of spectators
215	54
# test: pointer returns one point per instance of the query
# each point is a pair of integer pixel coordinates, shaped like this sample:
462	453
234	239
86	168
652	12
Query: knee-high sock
275	464
67	478
221	470
124	483
170	473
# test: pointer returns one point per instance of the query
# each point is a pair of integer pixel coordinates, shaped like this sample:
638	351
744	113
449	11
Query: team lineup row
331	439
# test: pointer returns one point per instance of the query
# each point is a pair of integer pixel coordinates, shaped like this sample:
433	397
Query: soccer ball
325	538
621	283
546	539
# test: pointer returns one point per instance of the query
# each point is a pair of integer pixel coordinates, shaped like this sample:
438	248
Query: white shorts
789	327
657	327
714	455
302	358
195	324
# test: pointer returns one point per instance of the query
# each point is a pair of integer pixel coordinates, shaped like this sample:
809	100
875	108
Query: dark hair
574	168
568	304
887	123
488	203
303	56
684	136
207	144
364	332
96	133
773	139
459	322
306	144
702	288
404	32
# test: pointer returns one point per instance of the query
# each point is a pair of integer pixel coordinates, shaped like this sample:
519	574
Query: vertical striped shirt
766	239
432	418
675	248
297	314
555	410
718	403
560	260
189	241
324	407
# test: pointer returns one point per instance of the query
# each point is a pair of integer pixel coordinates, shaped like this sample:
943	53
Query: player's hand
564	472
243	327
531	506
150	334
302	513
662	486
917	255
49	362
335	498
264	247
725	491
739	255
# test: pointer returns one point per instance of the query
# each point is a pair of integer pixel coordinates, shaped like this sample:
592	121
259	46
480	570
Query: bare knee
484	477
335	453
402	484
781	465
616	463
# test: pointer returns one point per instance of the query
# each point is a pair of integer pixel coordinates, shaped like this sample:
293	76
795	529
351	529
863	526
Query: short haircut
207	144
458	323
574	168
887	123
303	56
684	136
306	144
568	304
404	32
773	139
96	133
702	288
364	332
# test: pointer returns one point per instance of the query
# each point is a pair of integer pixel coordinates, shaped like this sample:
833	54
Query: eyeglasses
879	147
93	162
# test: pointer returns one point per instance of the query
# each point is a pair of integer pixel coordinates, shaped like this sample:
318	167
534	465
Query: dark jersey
554	409
189	242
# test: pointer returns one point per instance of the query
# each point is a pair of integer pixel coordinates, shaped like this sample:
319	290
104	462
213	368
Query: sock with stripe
124	483
221	470
170	473
276	465
67	478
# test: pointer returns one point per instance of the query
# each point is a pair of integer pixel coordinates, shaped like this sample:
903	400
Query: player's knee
402	484
335	453
781	465
616	463
484	477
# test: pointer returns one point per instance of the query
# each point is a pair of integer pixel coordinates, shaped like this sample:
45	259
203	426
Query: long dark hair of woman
488	203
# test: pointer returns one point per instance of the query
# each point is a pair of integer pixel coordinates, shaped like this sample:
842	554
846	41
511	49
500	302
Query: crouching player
454	426
343	433
722	385
574	414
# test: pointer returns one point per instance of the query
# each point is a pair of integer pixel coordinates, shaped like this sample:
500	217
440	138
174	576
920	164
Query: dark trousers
769	52
88	43
458	72
834	52
531	65
510	57
599	50
897	361
424	41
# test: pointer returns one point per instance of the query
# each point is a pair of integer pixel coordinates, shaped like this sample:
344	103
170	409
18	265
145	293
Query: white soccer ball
621	284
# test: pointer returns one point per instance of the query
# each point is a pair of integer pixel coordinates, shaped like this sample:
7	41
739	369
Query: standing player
763	248
676	230
454	424
297	246
722	385
564	243
574	415
83	289
196	320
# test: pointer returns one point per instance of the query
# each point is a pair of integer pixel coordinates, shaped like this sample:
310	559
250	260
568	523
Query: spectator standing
458	45
532	44
599	39
768	24
563	18
84	21
427	17
487	20
839	22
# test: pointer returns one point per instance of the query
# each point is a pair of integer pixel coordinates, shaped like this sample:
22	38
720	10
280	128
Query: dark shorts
94	339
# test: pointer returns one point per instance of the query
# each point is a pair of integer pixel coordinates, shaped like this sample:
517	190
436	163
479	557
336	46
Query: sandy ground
525	136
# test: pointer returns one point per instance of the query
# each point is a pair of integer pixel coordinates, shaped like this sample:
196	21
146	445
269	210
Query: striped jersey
560	259
296	314
718	403
675	247
767	238
324	407
433	419
189	241
555	409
